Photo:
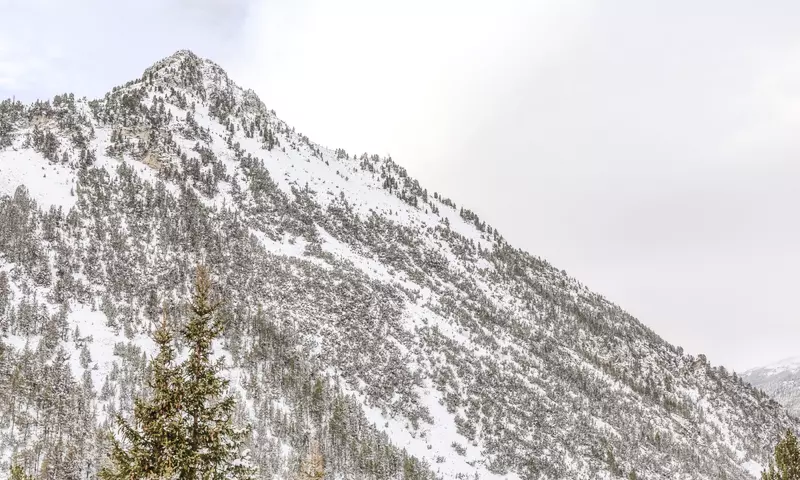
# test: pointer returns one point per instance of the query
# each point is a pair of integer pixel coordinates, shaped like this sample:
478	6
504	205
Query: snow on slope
789	365
50	184
549	377
780	380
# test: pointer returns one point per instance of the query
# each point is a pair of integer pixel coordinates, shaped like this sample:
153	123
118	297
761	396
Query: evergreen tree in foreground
214	443
18	474
156	438
184	431
786	465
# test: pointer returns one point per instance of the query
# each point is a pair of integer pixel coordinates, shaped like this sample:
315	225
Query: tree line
184	428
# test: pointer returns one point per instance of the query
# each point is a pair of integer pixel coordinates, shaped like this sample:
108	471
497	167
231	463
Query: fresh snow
47	183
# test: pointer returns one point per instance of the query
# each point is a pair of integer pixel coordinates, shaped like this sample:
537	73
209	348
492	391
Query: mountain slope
780	380
394	327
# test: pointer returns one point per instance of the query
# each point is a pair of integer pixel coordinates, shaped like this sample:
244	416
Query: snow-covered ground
538	337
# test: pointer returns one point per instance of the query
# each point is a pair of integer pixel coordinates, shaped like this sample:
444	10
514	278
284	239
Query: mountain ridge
474	356
784	364
780	380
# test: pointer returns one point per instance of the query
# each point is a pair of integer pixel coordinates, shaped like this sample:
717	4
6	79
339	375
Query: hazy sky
649	148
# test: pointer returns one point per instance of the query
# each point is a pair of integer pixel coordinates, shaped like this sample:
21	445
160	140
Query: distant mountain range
781	380
385	322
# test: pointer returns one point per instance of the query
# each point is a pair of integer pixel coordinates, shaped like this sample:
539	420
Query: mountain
781	380
386	323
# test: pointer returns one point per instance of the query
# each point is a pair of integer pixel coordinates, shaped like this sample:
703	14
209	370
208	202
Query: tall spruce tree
155	440
313	466
786	464
185	430
214	442
17	473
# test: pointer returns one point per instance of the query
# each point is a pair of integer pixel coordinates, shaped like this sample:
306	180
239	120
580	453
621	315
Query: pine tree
18	474
786	464
313	466
214	444
184	431
156	438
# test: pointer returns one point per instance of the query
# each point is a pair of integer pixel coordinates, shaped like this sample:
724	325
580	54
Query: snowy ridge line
360	304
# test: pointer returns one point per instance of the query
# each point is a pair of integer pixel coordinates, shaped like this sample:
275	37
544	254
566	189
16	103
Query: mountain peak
175	60
185	69
360	307
790	364
184	53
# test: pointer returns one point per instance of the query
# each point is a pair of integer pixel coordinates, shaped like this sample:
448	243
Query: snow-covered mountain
781	380
383	321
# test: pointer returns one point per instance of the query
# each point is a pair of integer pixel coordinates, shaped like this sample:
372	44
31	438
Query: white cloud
772	106
22	69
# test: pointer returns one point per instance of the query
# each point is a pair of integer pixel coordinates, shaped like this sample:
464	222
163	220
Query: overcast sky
648	148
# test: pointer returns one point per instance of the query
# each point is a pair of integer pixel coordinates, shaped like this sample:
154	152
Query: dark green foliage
185	428
45	142
154	442
39	394
213	440
17	473
11	112
786	463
